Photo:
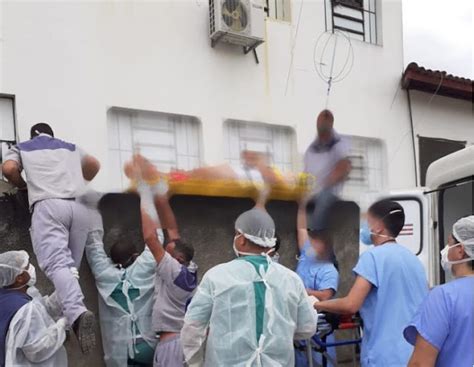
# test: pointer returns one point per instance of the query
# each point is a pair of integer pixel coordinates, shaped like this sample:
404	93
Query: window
456	201
169	141
279	9
276	141
368	175
7	118
356	17
7	124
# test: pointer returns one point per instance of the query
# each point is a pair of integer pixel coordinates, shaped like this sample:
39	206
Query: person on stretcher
253	169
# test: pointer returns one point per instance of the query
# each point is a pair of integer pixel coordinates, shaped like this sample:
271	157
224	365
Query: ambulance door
417	233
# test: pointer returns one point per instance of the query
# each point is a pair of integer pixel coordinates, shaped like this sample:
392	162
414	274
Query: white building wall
443	117
68	63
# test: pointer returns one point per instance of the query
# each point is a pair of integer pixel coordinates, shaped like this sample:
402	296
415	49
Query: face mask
32	273
234	247
446	263
365	234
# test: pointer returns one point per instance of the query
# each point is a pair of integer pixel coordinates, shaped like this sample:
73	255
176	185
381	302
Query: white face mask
236	252
32	273
446	263
240	253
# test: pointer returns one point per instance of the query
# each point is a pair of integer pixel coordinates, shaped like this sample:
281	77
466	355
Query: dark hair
277	243
391	213
122	247
41	128
184	248
326	237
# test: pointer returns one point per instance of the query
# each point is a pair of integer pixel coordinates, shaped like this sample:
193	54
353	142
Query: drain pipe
413	137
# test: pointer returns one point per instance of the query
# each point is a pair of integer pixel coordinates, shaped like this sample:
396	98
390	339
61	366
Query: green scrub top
259	289
144	353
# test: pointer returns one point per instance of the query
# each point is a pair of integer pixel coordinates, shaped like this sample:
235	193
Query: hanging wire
293	47
319	64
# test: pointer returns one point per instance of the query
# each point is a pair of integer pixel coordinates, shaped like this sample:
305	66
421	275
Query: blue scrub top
399	286
446	321
316	275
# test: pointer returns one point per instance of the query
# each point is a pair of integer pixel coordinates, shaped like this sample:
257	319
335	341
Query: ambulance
431	211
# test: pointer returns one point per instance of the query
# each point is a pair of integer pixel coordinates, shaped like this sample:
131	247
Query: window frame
371	36
442	190
15	131
115	112
293	137
274	14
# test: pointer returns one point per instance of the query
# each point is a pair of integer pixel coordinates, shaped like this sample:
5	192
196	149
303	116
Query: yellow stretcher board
283	190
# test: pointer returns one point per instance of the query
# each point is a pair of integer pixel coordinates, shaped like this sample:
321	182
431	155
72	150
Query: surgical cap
12	264
257	226
463	231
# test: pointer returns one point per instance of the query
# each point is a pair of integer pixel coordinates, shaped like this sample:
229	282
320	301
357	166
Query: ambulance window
456	202
411	234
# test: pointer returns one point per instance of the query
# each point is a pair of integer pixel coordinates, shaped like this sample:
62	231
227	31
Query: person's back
52	167
399	286
56	172
233	333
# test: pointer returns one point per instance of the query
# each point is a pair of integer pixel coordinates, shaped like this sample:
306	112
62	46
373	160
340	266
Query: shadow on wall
205	222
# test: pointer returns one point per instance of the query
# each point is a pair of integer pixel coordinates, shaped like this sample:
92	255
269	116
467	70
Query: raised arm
166	215
98	260
150	236
301	228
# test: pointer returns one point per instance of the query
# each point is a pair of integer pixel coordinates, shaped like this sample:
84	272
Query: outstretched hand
148	227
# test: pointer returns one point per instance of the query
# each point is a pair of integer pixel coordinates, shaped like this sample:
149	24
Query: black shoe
84	328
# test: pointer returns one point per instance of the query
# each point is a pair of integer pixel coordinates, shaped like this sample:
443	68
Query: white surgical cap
257	226
463	231
12	264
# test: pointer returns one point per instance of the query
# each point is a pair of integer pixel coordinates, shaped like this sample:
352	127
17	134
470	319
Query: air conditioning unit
241	22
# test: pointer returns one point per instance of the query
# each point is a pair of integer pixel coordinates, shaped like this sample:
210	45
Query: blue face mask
365	234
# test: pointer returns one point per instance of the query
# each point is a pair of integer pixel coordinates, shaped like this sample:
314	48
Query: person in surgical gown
248	311
443	329
32	329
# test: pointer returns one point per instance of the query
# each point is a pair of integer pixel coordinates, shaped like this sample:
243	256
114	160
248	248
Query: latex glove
61	323
160	188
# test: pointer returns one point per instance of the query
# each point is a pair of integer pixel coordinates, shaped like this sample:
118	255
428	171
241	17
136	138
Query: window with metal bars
169	141
358	18
277	142
368	169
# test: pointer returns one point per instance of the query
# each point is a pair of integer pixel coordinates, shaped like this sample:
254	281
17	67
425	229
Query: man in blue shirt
443	329
389	287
